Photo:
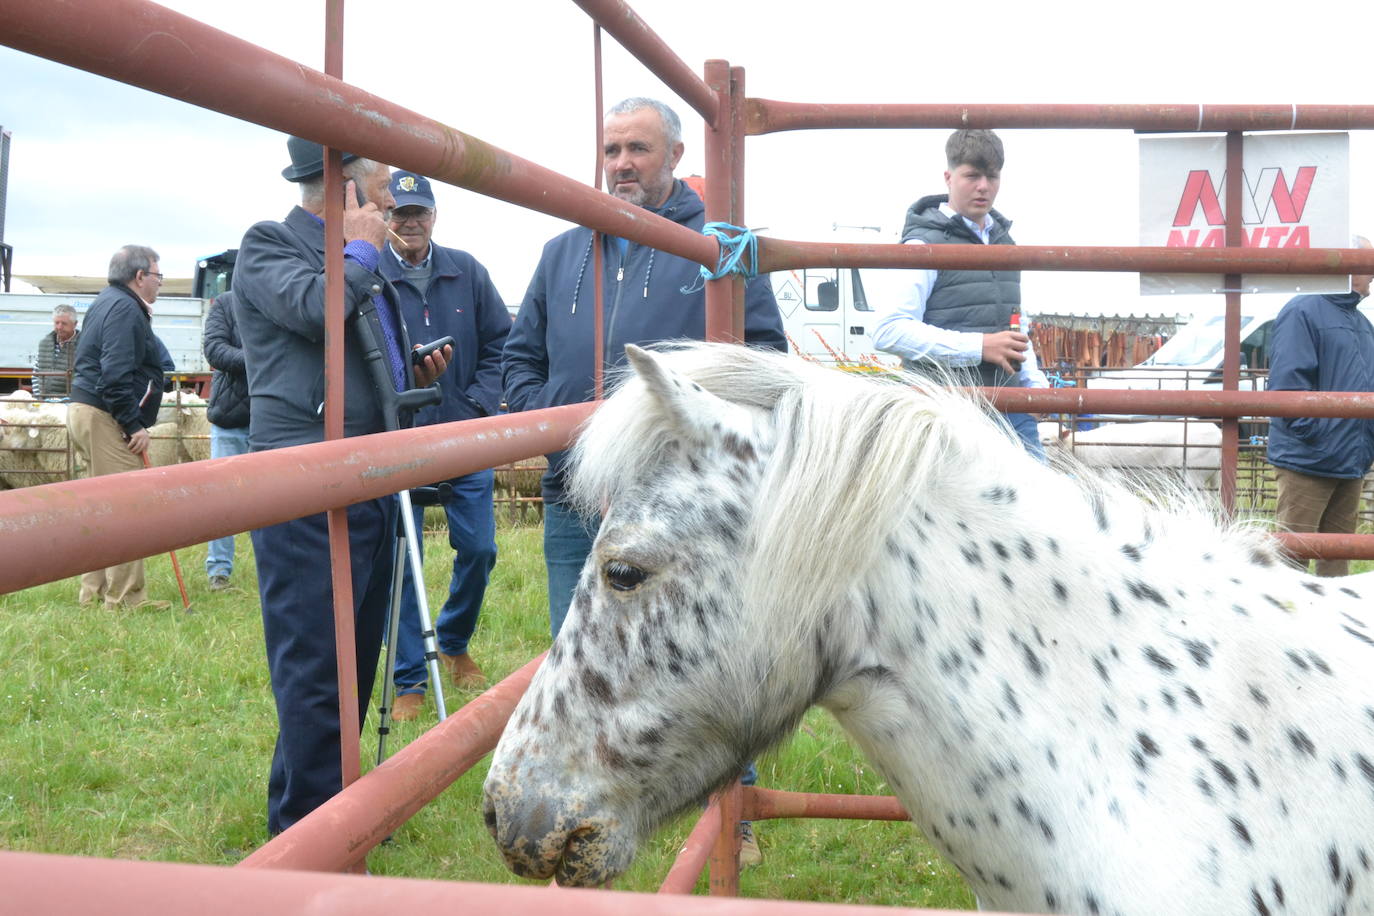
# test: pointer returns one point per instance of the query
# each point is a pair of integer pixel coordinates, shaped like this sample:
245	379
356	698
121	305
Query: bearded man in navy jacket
1322	343
444	292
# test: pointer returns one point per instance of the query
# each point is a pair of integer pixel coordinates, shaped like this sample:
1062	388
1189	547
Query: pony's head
743	495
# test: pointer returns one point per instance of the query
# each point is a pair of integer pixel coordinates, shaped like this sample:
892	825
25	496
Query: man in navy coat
1322	343
444	292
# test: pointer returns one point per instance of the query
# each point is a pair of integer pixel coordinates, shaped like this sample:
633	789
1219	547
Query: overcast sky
96	164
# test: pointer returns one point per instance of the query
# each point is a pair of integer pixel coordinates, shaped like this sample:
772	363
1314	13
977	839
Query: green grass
147	735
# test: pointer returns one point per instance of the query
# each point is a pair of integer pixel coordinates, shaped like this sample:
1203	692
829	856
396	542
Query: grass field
147	735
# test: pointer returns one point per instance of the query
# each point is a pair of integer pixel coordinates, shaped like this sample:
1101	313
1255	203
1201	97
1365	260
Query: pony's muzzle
539	840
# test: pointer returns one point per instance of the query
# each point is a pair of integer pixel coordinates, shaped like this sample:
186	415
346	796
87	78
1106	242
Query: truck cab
825	311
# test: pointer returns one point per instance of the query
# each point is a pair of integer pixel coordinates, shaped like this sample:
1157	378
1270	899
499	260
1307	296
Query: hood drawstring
581	271
648	270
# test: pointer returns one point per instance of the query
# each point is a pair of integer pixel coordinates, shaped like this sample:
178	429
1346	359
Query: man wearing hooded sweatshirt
1322	343
960	320
549	357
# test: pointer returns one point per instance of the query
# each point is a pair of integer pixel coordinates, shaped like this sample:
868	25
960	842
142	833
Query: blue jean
223	443
297	594
472	535
1025	427
568	541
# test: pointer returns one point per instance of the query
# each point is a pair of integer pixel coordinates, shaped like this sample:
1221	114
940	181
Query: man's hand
432	367
1006	349
363	221
138	442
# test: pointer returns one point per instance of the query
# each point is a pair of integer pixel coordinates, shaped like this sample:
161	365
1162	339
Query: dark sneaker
219	583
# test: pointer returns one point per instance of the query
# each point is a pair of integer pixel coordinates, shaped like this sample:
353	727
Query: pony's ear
697	414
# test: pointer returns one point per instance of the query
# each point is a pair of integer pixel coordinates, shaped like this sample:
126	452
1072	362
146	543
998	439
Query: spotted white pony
1088	704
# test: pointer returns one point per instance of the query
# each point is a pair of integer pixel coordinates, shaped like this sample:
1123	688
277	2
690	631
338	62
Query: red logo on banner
1271	189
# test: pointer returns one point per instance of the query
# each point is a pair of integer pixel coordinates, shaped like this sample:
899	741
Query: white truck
26	318
825	310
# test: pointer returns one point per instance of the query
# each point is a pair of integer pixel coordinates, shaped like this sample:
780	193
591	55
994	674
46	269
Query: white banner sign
1296	195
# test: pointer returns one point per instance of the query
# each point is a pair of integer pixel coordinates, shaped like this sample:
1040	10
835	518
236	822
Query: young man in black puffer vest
961	320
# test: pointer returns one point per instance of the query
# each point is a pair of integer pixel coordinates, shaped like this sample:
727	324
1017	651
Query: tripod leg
417	572
393	628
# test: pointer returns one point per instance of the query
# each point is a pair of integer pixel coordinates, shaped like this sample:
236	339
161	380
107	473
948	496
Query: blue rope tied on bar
739	254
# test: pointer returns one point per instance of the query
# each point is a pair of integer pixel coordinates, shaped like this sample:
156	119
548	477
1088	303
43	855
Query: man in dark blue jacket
1322	343
445	292
279	281
227	413
116	391
549	357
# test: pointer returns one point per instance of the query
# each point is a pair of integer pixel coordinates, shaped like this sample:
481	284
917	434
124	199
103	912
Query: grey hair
63	309
312	189
672	125
128	261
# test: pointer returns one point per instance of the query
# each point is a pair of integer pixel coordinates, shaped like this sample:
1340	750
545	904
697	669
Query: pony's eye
623	577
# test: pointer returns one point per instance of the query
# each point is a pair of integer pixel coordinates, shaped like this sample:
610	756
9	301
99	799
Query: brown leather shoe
408	706
463	671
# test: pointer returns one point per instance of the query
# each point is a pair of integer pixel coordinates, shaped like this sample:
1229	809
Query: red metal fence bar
1191	403
768	116
143	44
763	804
696	850
340	832
782	254
143	513
635	36
75	886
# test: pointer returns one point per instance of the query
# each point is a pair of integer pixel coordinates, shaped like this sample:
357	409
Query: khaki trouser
1329	505
98	439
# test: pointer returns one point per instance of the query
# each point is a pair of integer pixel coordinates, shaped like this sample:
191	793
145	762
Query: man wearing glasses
116	391
446	292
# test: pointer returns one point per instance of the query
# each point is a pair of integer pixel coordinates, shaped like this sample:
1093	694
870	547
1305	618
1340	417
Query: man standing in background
116	392
960	320
227	413
52	364
1322	343
444	292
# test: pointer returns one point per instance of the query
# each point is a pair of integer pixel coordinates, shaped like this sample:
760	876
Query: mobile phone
418	355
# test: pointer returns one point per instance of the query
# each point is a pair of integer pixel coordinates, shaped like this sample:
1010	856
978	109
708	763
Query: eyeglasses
153	274
419	216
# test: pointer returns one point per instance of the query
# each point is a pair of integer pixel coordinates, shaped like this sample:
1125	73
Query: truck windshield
1199	343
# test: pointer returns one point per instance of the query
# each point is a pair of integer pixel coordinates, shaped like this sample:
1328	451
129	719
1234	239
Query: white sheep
33	441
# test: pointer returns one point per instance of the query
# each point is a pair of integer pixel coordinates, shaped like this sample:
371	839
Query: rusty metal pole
725	853
720	321
598	254
340	560
768	116
1230	366
735	117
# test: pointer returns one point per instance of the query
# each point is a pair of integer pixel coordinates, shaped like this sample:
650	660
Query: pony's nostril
489	814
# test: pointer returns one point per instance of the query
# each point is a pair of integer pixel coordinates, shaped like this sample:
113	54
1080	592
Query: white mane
852	455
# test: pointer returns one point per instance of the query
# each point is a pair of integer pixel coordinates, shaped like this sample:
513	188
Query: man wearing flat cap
279	289
446	292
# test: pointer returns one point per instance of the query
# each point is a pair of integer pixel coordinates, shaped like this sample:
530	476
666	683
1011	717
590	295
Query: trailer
26	318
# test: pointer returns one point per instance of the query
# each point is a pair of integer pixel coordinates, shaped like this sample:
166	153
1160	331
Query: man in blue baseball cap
446	292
